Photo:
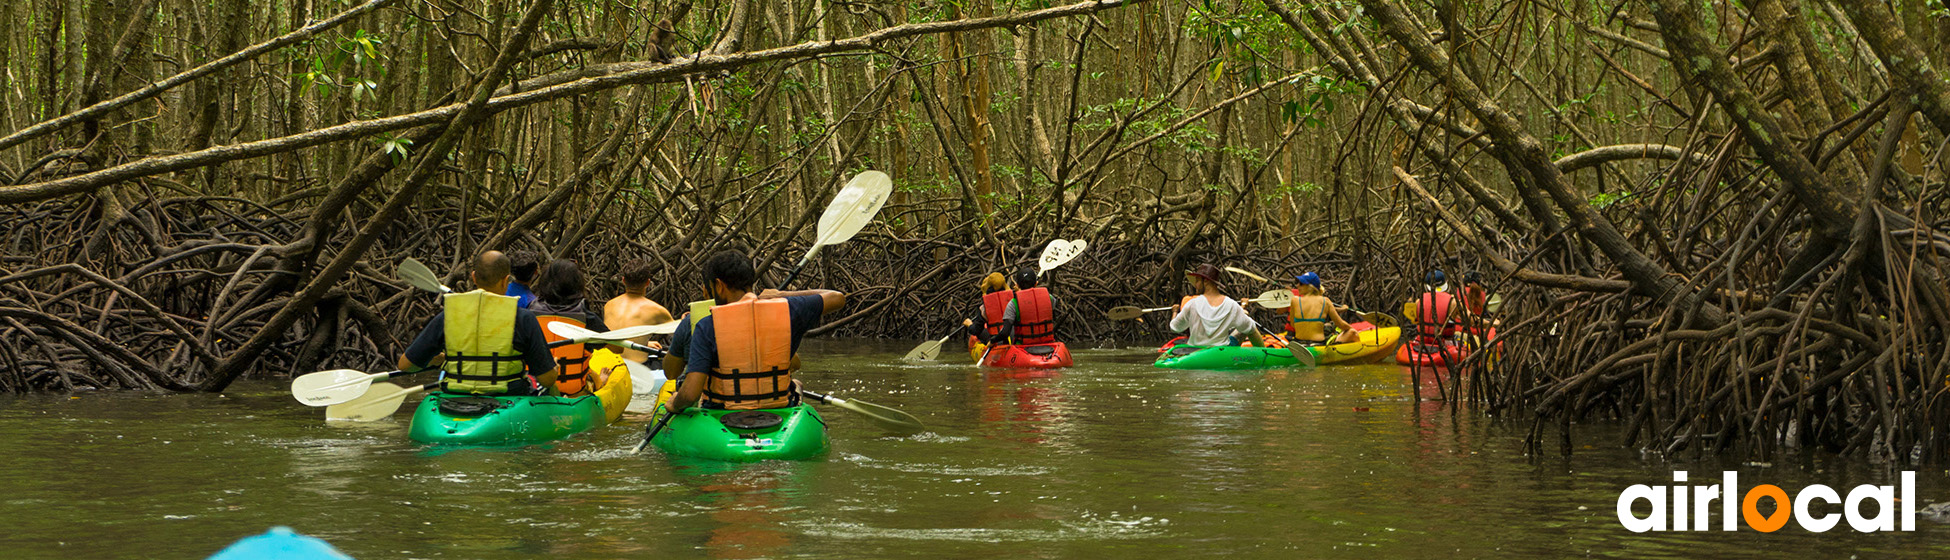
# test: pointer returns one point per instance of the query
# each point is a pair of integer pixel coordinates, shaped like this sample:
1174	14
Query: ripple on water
1090	527
945	470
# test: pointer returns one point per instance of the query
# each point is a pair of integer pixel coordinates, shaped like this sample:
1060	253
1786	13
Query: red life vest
1433	315
1035	319
572	360
994	304
754	368
1474	300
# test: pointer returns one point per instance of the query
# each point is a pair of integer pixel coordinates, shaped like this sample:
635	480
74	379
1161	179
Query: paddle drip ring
468	406
750	420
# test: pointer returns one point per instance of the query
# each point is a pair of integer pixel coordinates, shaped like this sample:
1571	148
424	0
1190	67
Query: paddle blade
1124	313
1245	273
380	402
1495	303
328	388
568	331
854	206
1304	356
926	352
416	273
661	328
1058	252
889	419
1275	299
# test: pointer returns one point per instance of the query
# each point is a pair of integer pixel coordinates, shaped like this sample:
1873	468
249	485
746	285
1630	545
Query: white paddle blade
661	328
569	331
1275	299
1245	273
1124	313
380	402
1304	355
1495	303
416	273
1058	252
853	207
926	352
328	388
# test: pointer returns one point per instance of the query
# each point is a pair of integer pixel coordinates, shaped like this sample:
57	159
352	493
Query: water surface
1108	459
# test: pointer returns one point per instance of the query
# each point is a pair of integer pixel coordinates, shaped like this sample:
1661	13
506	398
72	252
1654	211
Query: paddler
995	301
559	298
1476	300
742	356
1436	312
1308	316
524	264
1028	318
486	344
633	308
1212	318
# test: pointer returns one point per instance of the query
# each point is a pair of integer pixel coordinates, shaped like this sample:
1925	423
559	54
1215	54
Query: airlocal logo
1673	505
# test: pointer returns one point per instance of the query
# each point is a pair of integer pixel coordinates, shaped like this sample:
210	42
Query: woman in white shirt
1213	318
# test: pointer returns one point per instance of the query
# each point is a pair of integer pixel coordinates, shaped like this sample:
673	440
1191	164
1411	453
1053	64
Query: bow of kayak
280	543
474	420
1033	356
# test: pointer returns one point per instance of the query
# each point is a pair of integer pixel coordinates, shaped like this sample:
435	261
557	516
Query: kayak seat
1183	350
1040	350
750	420
468	406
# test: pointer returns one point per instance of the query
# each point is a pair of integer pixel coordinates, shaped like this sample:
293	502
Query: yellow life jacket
754	368
481	356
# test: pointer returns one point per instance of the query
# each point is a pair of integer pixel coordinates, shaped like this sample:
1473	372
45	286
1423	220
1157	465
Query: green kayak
473	420
1224	357
795	432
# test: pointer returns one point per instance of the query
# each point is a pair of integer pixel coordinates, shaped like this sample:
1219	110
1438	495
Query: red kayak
1051	355
1418	351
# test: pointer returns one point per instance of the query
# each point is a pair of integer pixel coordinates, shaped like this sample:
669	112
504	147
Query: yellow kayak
617	392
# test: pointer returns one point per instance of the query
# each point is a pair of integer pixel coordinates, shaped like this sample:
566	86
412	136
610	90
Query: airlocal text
1673	507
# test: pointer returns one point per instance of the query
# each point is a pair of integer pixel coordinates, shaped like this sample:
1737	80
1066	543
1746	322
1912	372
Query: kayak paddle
332	387
1494	304
1058	252
1126	312
652	432
416	273
1246	273
380	402
618	338
888	418
1274	299
927	351
852	208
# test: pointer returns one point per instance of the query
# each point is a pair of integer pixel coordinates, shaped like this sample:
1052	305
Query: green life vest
481	356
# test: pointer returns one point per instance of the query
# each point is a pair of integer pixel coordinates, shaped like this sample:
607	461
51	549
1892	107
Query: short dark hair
1026	278
524	264
560	283
733	268
636	272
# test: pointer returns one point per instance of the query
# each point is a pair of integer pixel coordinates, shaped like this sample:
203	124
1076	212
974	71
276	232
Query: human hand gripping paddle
1056	253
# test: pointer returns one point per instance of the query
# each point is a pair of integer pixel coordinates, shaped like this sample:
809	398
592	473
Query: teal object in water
471	420
799	433
280	543
1225	357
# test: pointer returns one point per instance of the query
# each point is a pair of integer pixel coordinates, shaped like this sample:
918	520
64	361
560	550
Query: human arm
429	349
701	357
833	300
680	343
1181	318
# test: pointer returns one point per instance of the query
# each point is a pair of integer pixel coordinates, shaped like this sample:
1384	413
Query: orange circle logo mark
1770	523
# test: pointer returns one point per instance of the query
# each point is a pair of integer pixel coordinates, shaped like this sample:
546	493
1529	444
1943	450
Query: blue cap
1309	279
1435	278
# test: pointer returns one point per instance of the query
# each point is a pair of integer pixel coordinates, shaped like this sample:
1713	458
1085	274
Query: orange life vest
1035	320
572	360
1433	318
994	304
754	368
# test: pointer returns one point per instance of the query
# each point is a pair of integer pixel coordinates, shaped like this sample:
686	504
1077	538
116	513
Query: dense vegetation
1721	223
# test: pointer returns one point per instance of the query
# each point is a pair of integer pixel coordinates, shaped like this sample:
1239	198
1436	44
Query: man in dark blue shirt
730	276
490	274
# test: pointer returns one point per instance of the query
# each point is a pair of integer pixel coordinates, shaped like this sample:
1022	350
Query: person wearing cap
1028	318
1211	318
1436	313
987	320
1308	316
